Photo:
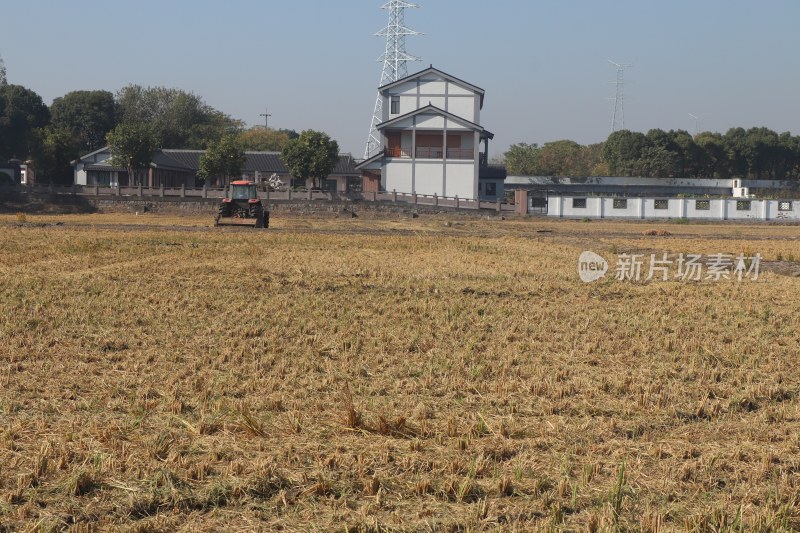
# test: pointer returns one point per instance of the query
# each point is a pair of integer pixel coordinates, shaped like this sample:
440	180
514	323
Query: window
102	179
702	205
661	204
620	203
743	205
491	189
538	201
784	206
579	203
241	192
395	105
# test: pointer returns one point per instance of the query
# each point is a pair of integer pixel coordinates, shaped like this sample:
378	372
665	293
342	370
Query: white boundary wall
692	208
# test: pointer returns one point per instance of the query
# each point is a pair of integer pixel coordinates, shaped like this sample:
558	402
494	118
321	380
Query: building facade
432	138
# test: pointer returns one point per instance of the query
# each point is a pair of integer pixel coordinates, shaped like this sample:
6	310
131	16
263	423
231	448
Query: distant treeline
755	153
80	121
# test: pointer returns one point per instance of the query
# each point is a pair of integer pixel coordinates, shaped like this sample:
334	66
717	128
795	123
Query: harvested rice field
427	374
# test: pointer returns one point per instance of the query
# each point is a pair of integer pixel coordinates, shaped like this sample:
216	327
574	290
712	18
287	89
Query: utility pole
266	116
394	62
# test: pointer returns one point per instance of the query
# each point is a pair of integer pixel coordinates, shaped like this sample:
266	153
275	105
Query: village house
176	168
431	140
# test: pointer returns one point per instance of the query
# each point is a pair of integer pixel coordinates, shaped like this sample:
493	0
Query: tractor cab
242	190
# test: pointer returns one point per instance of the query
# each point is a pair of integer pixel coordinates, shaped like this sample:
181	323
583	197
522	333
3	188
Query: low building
642	186
176	168
431	138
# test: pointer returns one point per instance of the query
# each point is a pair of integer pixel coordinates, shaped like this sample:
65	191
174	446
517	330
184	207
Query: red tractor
242	207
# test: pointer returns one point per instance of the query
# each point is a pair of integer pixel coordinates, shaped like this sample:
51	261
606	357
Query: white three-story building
432	139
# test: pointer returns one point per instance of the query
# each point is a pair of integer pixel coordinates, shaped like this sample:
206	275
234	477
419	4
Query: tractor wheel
266	219
257	211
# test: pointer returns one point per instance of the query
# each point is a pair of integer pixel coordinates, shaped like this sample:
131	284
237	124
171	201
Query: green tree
789	158
658	162
132	147
312	155
223	159
622	152
712	156
58	148
592	156
88	115
178	119
522	159
263	139
737	152
561	158
3	79
22	114
764	153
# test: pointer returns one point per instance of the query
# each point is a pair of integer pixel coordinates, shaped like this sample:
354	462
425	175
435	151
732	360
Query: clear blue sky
543	63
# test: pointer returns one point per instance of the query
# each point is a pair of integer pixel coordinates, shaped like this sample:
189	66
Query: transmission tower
618	120
394	61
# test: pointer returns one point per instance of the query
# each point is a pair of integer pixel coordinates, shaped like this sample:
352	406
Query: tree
88	115
223	159
22	114
312	155
522	159
263	139
790	156
622	151
736	152
593	159
132	147
561	158
58	149
713	162
658	162
178	119
3	79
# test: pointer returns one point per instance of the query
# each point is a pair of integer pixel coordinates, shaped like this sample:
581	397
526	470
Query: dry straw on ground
402	375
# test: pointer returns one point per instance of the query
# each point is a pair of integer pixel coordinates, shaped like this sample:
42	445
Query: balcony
396	151
431	152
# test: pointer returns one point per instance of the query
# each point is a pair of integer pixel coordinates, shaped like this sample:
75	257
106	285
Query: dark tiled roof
186	159
265	162
345	166
370	160
492	172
